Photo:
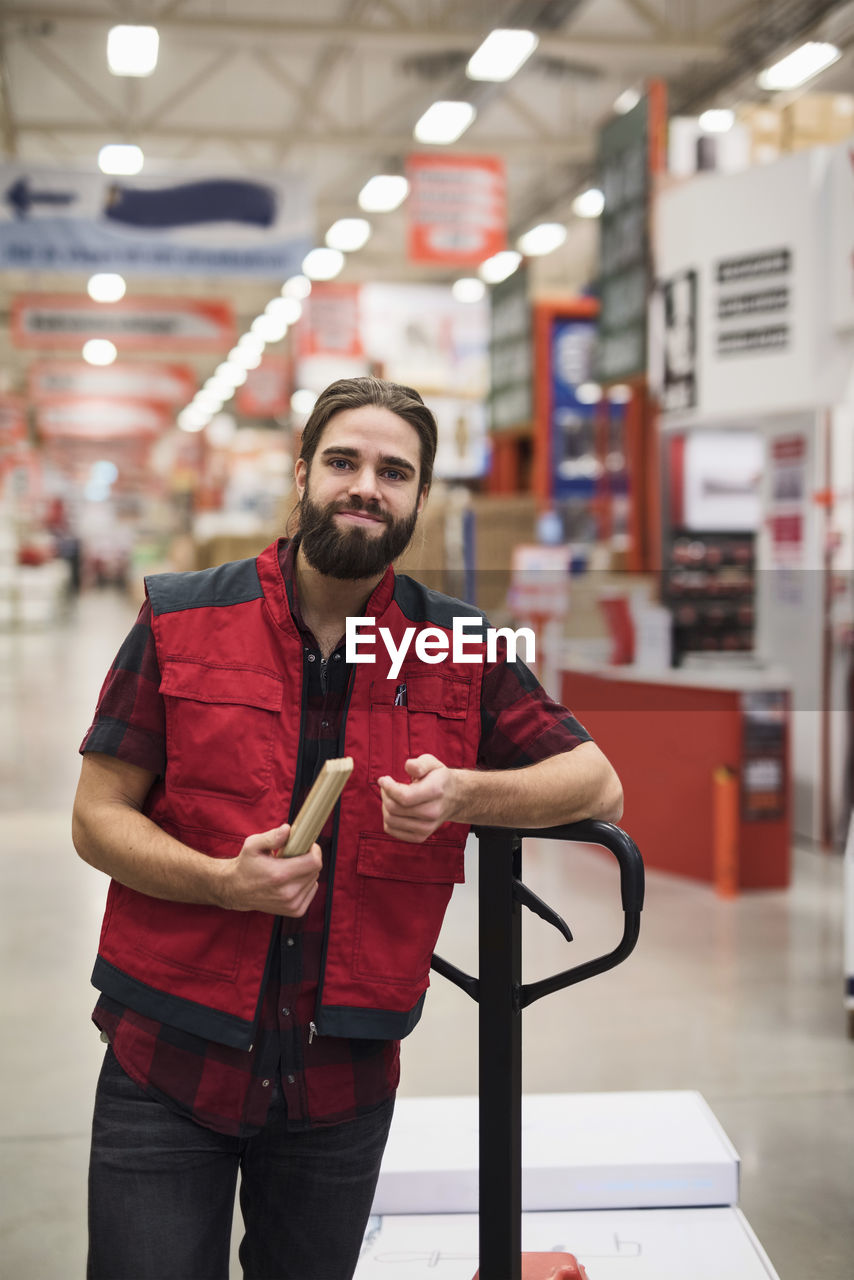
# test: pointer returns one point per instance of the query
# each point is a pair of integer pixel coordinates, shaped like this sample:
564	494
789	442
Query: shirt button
311	657
265	1083
290	942
291	1079
324	724
337	657
286	1012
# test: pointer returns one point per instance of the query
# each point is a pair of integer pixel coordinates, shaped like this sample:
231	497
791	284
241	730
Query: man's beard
351	552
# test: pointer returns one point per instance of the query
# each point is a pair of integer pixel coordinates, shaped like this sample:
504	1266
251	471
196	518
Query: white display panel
649	1244
579	1151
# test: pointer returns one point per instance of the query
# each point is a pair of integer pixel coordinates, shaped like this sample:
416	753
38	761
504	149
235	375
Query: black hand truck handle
616	841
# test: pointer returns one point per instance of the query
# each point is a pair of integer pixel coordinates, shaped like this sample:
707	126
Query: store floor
739	1000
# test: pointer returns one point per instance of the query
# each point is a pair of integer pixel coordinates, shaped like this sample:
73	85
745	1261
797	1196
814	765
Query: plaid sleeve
520	723
129	718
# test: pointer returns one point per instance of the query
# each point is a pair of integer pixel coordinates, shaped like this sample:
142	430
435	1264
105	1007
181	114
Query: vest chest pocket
417	714
220	728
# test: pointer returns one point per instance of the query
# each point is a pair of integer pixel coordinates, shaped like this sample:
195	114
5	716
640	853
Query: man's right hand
257	881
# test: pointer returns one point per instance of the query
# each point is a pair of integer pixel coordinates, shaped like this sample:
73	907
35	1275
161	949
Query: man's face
361	499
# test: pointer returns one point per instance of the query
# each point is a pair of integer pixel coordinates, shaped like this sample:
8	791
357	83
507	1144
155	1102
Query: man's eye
394	475
340	463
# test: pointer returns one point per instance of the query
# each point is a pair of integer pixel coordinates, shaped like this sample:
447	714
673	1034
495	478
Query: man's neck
325	602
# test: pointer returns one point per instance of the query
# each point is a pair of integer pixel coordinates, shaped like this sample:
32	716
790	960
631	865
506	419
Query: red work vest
231	663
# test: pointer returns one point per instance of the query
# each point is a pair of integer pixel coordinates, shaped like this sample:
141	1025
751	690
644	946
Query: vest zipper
331	877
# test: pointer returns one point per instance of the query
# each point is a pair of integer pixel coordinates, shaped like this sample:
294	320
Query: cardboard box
817	119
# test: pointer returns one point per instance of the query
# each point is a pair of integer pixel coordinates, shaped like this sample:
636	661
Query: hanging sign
167	384
58	220
66	320
267	389
457	208
101	419
329	325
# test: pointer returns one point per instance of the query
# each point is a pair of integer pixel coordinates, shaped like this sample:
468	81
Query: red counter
667	737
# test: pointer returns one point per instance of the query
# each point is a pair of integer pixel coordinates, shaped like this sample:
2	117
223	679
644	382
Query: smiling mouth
360	517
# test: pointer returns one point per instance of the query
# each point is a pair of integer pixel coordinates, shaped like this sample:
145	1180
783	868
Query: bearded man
253	1005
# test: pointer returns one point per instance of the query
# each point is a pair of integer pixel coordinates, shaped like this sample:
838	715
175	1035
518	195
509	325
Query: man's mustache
356	504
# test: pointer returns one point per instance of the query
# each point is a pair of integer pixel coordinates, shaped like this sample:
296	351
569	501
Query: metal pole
500	1056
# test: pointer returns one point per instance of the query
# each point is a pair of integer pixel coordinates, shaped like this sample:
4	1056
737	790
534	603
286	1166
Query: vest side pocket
403	891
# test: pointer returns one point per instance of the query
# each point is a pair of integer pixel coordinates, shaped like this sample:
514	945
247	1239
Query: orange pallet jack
501	996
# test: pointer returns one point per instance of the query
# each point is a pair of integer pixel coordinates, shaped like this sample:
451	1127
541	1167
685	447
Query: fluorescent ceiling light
288	310
120	158
323	264
270	328
192	419
499	266
589	204
588	393
542	239
246	357
383	193
220	388
106	286
296	287
626	101
132	51
444	122
303	401
501	55
99	351
251	342
348	234
209	401
231	373
717	120
799	66
468	289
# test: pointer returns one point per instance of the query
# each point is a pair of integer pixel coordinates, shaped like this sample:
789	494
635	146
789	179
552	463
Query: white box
579	1151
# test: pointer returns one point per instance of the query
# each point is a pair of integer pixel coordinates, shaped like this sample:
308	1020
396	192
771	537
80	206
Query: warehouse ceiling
332	90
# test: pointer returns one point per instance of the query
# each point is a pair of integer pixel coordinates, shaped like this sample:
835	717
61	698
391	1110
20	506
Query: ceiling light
296	287
132	51
288	310
209	401
221	430
303	401
383	193
717	120
192	418
251	342
348	234
626	101
120	158
799	66
106	286
468	289
220	383
246	356
270	328
588	393
499	266
99	351
228	371
444	122
501	55
542	239
589	204
323	264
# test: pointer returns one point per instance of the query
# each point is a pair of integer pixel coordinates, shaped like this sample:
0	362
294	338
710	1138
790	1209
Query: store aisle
741	1001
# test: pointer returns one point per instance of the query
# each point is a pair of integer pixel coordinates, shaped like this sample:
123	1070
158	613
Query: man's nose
365	484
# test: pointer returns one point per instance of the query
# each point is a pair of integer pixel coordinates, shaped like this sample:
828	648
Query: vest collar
277	585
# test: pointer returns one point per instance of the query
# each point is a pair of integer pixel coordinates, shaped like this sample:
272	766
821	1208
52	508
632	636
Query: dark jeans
161	1192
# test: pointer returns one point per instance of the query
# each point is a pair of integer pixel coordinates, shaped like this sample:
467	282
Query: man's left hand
414	810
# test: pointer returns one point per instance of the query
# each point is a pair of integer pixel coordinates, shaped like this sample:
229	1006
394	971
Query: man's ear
422	497
300	474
